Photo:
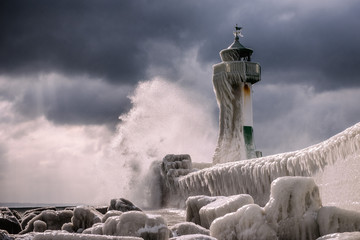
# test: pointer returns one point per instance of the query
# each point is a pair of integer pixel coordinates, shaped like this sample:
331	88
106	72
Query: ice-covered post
233	79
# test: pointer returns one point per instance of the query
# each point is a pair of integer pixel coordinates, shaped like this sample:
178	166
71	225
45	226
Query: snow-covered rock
53	220
187	228
111	213
222	206
193	206
336	220
248	222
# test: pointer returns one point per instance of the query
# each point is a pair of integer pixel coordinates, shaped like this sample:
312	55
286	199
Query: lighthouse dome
236	51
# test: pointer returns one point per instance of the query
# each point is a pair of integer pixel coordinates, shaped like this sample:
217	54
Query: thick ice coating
222	206
255	176
249	222
293	206
336	220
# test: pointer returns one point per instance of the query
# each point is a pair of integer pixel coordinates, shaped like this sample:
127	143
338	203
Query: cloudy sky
69	69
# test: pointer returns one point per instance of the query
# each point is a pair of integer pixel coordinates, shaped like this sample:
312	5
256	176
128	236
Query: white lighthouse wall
247	109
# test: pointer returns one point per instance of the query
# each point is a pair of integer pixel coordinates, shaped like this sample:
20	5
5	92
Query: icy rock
8	221
96	229
123	205
341	236
84	217
139	224
188	228
293	206
193	237
58	235
222	206
132	223
54	220
40	226
336	220
193	206
111	213
248	222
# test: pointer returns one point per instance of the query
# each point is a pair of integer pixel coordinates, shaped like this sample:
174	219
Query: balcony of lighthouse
248	71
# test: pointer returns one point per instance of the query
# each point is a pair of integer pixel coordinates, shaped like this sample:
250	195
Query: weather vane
237	32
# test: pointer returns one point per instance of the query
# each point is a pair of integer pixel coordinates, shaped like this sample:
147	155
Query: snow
222	206
254	176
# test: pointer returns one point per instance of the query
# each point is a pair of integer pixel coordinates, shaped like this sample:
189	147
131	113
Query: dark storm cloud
107	39
121	41
115	39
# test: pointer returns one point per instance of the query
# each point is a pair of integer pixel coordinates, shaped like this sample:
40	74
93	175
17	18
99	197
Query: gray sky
67	69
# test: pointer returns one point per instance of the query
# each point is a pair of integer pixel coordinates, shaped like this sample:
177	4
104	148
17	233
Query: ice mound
111	213
48	219
294	211
293	206
193	206
222	206
336	220
248	222
188	228
84	217
132	223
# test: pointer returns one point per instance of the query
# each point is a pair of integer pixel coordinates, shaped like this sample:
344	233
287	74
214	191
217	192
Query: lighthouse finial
237	32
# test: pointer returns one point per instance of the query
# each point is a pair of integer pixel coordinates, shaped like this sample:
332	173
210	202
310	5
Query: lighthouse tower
233	79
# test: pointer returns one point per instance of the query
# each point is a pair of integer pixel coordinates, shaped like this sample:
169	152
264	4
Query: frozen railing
250	70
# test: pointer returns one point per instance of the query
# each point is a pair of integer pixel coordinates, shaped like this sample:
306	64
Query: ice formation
222	206
255	176
249	222
294	211
336	220
52	219
230	146
72	236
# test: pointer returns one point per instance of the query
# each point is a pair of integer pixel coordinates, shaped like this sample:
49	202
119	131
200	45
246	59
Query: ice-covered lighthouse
233	79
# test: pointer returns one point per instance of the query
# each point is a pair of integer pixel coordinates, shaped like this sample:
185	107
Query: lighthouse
232	80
